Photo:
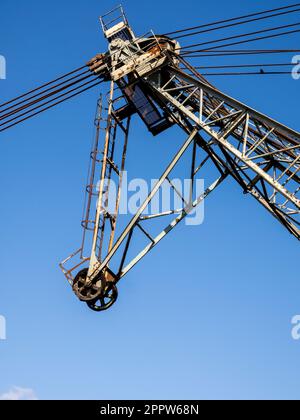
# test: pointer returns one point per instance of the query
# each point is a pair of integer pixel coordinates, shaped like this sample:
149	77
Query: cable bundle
215	47
46	96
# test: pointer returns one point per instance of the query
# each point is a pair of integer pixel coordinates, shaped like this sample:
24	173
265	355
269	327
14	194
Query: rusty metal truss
149	78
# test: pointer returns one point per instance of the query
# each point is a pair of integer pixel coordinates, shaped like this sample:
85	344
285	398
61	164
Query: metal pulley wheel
105	301
92	292
84	289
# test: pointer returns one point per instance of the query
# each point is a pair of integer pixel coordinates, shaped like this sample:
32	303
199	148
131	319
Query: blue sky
208	313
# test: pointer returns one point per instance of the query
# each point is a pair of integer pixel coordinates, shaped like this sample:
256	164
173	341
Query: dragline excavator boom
149	78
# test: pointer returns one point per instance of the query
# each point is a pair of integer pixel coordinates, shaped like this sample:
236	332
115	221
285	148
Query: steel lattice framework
148	77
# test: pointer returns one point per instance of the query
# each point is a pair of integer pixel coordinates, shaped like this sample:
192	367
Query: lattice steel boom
148	77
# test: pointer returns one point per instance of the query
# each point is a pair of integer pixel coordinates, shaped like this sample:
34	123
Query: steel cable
232	19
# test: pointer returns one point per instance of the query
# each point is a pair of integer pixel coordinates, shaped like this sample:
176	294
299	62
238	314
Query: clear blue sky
207	314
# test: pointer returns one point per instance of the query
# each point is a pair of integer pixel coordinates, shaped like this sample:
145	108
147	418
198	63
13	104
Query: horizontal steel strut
149	78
